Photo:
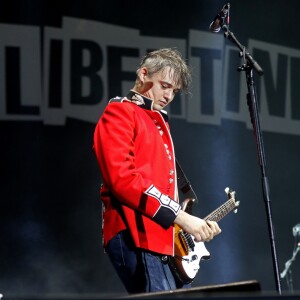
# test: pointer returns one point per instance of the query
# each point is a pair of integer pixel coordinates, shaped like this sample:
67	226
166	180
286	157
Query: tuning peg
230	193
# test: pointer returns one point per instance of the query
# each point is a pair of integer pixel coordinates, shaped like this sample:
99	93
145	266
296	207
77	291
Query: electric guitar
185	264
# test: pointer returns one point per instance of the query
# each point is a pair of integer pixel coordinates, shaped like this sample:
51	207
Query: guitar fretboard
222	211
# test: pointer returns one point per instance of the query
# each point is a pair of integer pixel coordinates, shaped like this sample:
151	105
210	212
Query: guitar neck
221	211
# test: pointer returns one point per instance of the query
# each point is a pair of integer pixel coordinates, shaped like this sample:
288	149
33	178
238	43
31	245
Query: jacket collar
144	102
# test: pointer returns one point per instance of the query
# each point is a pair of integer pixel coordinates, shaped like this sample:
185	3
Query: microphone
296	230
218	21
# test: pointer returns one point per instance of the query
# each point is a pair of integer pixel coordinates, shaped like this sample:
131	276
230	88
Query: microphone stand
288	270
248	65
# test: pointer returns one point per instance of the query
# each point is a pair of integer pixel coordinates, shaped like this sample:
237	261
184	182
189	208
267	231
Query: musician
135	152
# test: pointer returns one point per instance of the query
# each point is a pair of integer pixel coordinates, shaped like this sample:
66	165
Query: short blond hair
158	60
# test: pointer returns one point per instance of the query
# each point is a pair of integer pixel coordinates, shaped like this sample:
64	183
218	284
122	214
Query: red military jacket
135	152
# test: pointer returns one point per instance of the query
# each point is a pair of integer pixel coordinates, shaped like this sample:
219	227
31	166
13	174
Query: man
134	149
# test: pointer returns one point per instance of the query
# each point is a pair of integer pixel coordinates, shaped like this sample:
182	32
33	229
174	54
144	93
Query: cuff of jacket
168	209
165	217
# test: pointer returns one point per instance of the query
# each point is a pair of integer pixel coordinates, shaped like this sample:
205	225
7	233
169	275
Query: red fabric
132	155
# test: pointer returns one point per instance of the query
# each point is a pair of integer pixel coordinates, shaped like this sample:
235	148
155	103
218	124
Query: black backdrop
50	208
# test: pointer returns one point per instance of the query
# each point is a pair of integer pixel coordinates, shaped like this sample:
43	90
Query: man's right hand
201	230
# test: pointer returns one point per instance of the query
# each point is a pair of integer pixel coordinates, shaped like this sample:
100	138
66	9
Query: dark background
50	222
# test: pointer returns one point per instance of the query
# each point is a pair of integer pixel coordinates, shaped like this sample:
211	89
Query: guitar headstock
231	195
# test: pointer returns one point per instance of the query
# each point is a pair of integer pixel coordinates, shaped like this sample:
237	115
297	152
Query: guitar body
185	263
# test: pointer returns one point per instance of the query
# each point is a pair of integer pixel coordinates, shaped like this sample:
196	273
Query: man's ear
142	73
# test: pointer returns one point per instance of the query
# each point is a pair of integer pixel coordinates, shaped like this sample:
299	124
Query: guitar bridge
181	258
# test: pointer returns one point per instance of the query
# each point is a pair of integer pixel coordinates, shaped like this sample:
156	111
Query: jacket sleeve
114	148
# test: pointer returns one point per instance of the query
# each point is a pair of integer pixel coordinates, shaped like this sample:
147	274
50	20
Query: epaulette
117	99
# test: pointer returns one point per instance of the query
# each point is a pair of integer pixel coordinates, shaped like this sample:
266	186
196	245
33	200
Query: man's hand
201	230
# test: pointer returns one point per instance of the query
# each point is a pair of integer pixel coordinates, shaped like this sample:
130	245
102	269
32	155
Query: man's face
160	87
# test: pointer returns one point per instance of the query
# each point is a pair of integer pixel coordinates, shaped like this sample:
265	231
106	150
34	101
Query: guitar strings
220	212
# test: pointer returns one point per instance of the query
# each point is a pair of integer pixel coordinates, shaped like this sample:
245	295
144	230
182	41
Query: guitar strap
183	183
